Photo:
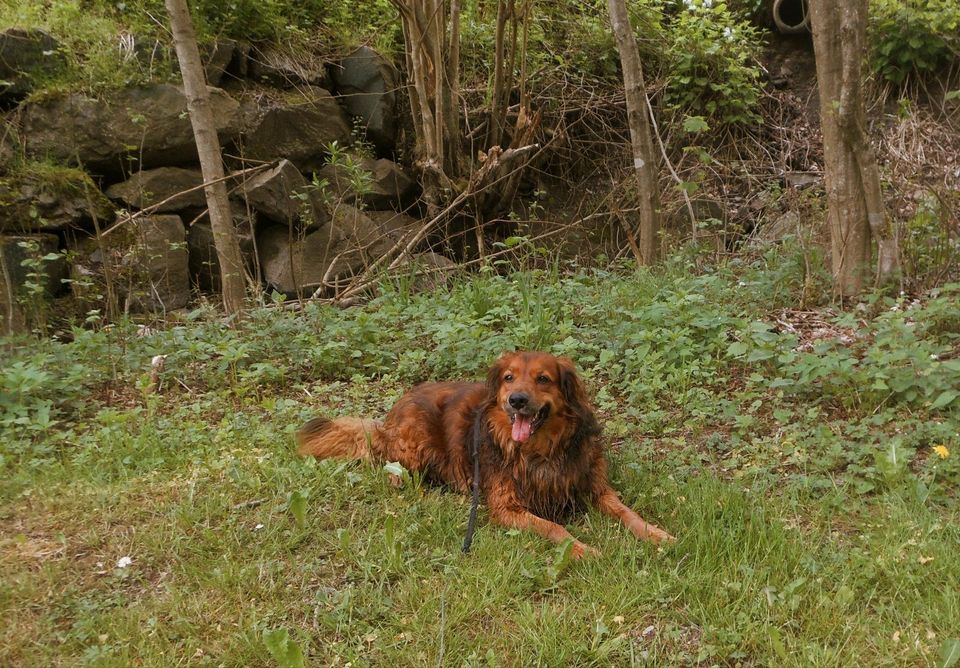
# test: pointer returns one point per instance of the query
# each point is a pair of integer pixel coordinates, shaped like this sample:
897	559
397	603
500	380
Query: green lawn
817	524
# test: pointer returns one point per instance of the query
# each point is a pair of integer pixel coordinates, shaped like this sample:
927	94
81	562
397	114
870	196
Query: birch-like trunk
641	138
211	164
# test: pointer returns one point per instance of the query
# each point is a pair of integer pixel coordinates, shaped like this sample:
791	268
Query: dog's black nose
519	399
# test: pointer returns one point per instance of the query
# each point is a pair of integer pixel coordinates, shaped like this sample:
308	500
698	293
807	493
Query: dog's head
536	389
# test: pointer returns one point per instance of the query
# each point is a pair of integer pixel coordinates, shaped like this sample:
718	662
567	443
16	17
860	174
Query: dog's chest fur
552	479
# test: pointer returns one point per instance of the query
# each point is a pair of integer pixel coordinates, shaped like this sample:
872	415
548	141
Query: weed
802	491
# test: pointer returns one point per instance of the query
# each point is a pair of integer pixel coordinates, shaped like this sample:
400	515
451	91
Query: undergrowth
810	471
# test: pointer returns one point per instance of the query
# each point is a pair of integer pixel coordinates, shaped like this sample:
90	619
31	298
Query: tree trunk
644	158
211	164
433	55
855	210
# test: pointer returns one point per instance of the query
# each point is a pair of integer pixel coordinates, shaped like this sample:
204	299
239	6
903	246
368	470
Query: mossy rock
41	197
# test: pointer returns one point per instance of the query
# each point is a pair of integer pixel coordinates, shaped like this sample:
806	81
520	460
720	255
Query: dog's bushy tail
347	438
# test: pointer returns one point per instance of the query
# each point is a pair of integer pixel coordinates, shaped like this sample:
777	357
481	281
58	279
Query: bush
711	64
913	37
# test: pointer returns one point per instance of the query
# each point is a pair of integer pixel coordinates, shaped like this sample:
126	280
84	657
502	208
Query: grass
815	528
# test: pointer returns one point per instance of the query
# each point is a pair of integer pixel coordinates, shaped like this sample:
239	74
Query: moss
37	195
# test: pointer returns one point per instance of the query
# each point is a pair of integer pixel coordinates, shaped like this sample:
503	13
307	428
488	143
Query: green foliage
913	37
711	64
792	502
929	247
285	651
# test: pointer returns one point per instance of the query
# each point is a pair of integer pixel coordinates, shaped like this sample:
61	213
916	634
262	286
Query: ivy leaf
946	398
695	124
285	651
737	349
297	505
949	653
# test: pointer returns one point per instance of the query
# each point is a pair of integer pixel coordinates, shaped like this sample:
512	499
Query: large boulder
26	56
394	224
367	83
162	185
204	263
283	68
139	128
284	196
388	187
28	285
51	199
343	247
9	146
162	252
217	57
297	127
145	260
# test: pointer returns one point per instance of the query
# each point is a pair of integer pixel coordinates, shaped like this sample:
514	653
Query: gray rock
343	247
286	69
14	293
141	127
297	128
282	195
801	180
787	224
161	251
217	58
146	262
367	83
51	200
389	187
428	271
26	56
152	186
9	146
393	224
204	264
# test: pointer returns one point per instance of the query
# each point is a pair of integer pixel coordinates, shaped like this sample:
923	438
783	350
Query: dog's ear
575	395
493	377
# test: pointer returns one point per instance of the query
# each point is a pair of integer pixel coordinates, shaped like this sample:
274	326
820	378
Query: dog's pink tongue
522	426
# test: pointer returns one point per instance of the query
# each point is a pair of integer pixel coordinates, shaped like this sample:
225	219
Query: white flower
123	562
258	527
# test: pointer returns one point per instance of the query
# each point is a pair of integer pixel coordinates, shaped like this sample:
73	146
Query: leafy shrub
711	64
913	37
930	249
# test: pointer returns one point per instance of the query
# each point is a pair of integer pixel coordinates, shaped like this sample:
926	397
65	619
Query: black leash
475	501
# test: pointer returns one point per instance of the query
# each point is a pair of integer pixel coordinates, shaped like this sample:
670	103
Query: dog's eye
508	378
543	380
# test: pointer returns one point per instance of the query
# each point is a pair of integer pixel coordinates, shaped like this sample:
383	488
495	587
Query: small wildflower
123	562
942	451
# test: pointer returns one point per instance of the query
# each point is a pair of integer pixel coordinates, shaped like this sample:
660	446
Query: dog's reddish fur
534	483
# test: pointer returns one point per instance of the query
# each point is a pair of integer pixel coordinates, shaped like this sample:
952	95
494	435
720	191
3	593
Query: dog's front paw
658	535
581	550
651	532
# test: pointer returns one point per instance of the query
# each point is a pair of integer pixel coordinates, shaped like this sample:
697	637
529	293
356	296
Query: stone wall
73	167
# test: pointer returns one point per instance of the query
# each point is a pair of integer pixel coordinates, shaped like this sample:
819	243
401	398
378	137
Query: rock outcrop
26	56
161	187
368	84
389	186
296	126
136	128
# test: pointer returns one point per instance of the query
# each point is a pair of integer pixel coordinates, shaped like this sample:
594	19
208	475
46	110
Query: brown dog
532	424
